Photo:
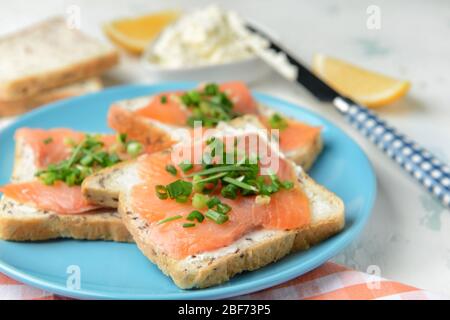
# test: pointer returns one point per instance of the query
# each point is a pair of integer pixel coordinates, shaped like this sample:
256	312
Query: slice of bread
12	108
251	252
49	55
20	222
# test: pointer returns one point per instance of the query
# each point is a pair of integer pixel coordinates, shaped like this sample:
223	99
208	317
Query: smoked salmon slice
48	145
59	198
51	147
287	210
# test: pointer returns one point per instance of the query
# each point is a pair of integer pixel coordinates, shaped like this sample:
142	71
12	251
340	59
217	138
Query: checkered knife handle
432	173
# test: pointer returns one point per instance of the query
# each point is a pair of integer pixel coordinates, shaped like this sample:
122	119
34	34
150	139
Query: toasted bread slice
251	252
49	55
20	222
12	108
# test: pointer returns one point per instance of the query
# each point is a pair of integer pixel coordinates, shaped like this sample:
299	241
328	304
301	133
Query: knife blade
432	173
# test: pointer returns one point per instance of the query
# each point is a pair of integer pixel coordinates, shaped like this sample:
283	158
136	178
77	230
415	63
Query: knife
424	167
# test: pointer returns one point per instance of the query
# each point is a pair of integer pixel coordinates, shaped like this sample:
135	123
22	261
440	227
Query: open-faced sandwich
205	216
44	199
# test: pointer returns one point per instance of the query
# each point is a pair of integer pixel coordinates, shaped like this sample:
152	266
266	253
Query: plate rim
215	292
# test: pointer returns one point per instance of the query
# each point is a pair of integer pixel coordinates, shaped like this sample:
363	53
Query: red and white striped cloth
328	282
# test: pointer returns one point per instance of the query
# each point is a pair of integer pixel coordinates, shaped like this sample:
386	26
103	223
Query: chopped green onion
47	178
223	208
161	192
214	201
169	219
134	148
197	185
212	178
185	166
87	160
179	190
211	89
220	169
276	121
122	138
171	169
48	140
196	215
287	185
240	184
181	199
199	201
229	191
188	225
216	216
262	200
163	99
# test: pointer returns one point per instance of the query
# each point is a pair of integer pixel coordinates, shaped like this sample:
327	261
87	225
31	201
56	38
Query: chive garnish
223	208
199	201
188	225
171	169
48	140
220	169
196	215
185	166
122	138
208	105
216	216
212	178
214	201
134	148
240	184
161	192
276	121
169	219
179	190
229	191
163	99
86	157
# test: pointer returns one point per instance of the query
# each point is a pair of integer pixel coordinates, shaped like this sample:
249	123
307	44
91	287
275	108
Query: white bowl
248	70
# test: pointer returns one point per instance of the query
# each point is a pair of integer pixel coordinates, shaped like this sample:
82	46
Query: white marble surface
408	236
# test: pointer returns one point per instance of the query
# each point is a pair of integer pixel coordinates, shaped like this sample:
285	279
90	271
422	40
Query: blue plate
118	270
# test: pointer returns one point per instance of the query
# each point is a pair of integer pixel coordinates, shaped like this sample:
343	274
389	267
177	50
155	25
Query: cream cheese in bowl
205	44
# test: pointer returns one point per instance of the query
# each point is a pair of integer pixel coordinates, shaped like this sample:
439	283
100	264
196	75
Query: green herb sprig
85	158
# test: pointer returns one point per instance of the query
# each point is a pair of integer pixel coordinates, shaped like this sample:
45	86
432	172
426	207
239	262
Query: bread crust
102	225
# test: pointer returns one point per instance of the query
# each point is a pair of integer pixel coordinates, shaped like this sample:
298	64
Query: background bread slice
12	108
19	222
251	252
49	55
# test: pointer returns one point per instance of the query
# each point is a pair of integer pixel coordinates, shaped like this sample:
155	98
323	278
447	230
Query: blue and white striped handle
432	173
